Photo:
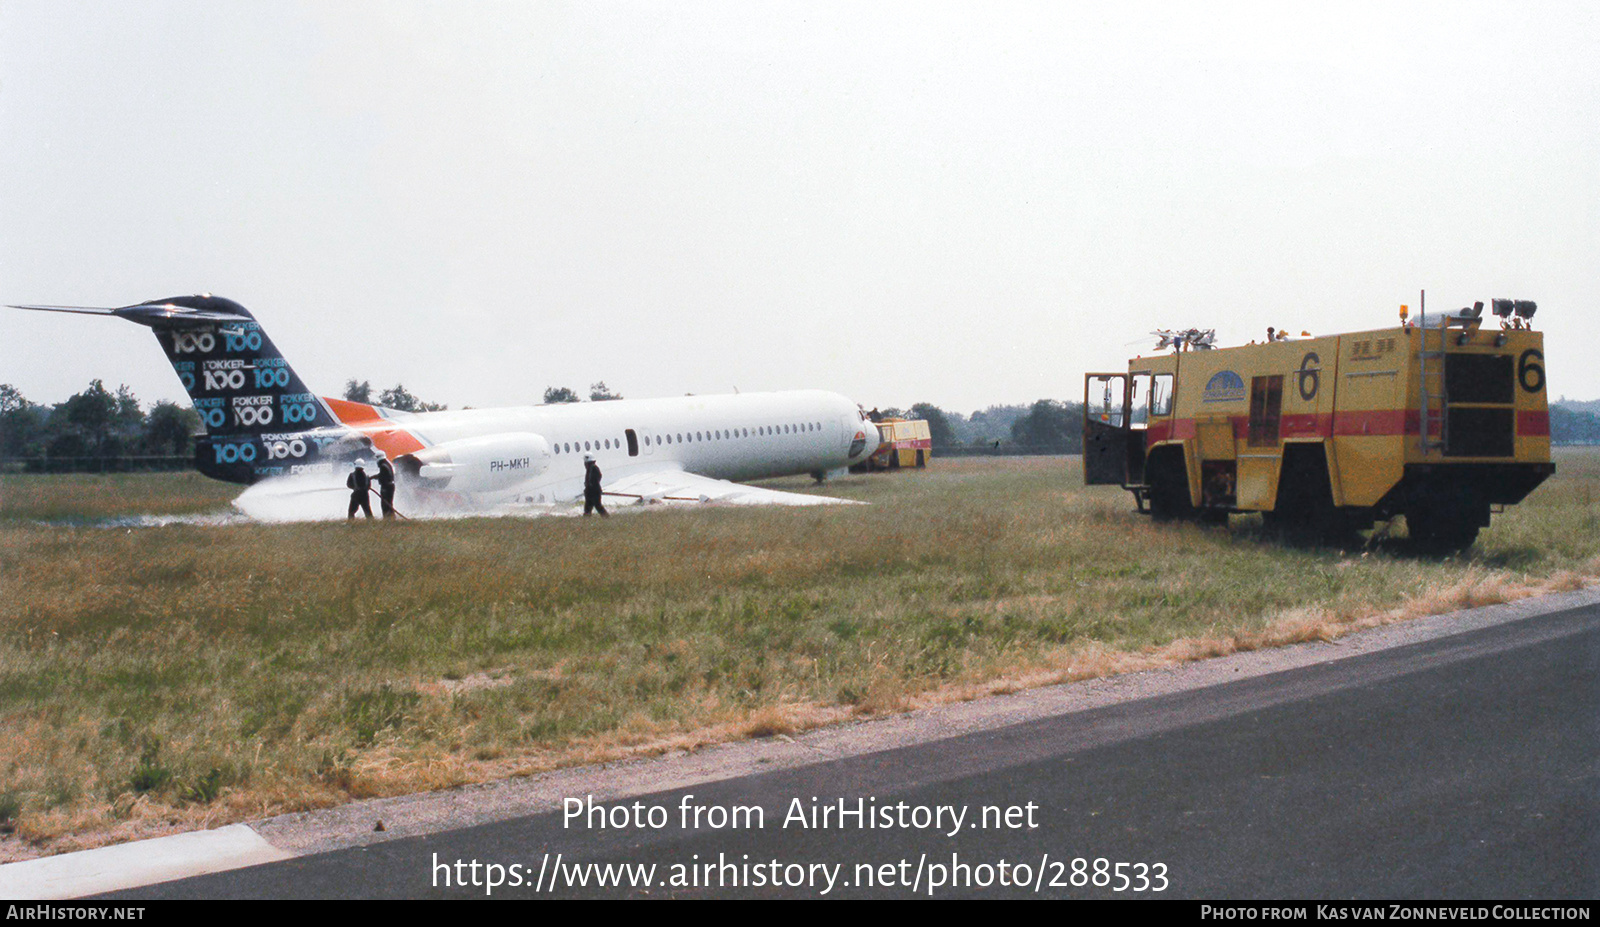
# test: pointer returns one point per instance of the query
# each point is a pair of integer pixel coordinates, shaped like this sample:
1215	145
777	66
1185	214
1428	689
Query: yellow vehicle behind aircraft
1440	421
902	443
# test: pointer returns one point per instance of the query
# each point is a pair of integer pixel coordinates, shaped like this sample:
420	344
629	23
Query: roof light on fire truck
1525	308
1503	307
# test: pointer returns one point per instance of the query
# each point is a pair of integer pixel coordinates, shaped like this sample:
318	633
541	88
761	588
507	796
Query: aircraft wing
677	487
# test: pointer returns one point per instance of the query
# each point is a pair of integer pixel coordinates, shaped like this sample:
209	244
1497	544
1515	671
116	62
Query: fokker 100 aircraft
263	422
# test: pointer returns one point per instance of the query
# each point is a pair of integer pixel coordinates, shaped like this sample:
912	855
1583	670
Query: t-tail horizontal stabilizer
158	313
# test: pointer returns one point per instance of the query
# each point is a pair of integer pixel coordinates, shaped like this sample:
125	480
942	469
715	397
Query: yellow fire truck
903	443
1440	421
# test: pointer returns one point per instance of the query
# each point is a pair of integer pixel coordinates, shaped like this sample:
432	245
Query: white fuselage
735	437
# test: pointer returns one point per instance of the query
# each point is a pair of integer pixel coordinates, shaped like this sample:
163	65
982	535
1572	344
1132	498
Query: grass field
189	675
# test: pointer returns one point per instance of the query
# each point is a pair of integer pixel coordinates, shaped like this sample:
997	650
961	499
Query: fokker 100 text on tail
262	421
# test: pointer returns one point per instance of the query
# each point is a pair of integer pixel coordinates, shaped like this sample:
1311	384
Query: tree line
96	423
1048	425
398	397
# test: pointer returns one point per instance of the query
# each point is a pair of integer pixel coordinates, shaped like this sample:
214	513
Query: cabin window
1139	408
1161	395
1266	406
1105	396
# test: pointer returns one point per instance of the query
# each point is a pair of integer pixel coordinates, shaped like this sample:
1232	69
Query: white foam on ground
143	862
317	497
324	497
202	519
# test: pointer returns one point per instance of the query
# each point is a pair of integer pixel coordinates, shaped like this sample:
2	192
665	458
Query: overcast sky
964	204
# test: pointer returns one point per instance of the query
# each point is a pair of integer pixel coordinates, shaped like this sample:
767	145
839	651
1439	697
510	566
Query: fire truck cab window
1105	398
1266	407
1161	395
1140	405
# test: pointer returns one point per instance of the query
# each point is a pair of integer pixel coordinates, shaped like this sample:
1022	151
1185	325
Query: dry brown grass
185	676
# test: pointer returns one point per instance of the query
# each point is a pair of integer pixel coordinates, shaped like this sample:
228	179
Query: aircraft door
646	438
1105	429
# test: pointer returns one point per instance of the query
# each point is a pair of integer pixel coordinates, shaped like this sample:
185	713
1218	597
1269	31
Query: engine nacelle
491	463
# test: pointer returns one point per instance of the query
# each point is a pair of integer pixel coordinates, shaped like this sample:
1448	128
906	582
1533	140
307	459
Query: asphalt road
1464	767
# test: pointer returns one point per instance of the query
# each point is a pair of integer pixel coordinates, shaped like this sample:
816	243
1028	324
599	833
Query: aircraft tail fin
237	379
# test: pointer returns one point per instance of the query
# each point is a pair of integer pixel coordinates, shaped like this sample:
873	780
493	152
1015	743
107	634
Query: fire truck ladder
1435	398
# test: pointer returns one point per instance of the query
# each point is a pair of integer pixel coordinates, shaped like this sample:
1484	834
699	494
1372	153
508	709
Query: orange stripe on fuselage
386	435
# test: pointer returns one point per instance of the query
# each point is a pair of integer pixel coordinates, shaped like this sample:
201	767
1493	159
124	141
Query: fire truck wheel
1444	518
1435	531
1305	513
1169	488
